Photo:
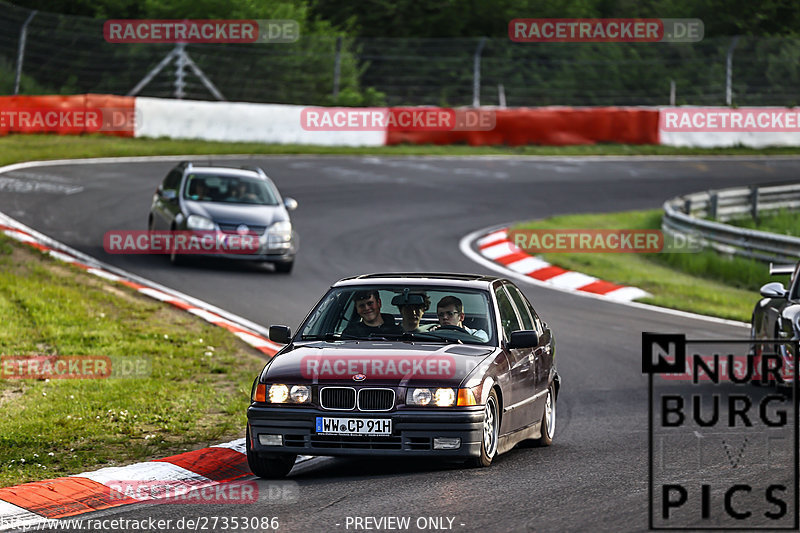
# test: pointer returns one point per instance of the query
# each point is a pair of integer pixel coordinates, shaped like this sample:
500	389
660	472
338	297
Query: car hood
256	215
376	363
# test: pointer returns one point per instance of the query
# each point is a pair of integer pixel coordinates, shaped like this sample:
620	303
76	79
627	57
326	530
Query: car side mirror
523	339
773	290
290	203
280	334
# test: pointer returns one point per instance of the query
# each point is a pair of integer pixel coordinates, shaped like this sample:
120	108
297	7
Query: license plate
354	426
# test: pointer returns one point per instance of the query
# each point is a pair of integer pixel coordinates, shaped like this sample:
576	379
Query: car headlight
440	397
197	222
280	234
280	393
300	394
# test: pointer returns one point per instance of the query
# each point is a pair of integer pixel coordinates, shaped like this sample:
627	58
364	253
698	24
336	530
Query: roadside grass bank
783	222
18	148
704	283
194	391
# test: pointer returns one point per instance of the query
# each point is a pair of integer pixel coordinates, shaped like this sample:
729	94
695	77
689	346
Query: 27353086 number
236	523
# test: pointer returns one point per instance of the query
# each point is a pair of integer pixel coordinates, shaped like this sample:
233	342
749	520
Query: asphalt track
370	214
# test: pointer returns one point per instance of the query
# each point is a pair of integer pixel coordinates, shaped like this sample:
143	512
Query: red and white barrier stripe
284	124
496	247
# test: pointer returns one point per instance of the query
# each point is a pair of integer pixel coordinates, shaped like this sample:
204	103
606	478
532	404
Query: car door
166	203
517	408
543	353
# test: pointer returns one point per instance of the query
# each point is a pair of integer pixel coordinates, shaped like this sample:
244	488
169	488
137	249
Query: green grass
196	394
704	282
783	222
16	148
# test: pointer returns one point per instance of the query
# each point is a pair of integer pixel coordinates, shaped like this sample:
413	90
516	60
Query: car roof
207	168
477	281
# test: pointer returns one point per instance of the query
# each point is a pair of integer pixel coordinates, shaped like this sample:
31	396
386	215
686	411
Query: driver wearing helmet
450	311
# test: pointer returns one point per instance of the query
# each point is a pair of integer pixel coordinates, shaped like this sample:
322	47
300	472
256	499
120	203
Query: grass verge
704	283
783	222
196	393
17	148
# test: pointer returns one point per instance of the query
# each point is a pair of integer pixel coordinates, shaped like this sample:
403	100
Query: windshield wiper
412	335
330	337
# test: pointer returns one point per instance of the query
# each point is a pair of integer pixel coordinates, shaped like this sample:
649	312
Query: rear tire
548	426
274	466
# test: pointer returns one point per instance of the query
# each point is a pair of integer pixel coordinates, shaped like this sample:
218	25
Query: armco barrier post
713	206
754	202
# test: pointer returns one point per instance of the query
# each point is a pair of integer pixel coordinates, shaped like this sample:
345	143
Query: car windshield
403	313
228	189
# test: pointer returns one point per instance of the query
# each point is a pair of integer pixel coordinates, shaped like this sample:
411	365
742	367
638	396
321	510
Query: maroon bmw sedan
406	364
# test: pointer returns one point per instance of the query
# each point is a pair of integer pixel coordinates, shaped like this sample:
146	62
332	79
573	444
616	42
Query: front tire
548	426
175	258
491	431
275	466
284	267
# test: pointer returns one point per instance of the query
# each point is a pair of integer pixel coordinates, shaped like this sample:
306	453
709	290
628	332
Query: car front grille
375	399
232	227
341	398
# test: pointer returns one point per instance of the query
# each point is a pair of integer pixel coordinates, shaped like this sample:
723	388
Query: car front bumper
413	432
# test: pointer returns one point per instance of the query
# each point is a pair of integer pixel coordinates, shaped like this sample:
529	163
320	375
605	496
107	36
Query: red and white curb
24	506
250	333
496	247
27	505
39	502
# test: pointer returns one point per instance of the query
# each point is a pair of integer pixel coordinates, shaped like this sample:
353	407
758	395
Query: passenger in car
241	193
199	191
368	307
412	306
450	311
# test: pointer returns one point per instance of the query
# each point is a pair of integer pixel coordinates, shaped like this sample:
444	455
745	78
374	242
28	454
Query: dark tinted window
172	181
508	317
522	306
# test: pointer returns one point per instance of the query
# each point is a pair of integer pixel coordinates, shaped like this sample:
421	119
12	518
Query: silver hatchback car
228	200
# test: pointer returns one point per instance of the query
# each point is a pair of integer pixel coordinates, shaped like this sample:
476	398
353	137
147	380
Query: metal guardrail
681	216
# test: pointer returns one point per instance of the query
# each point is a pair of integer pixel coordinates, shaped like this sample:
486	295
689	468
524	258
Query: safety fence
47	53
